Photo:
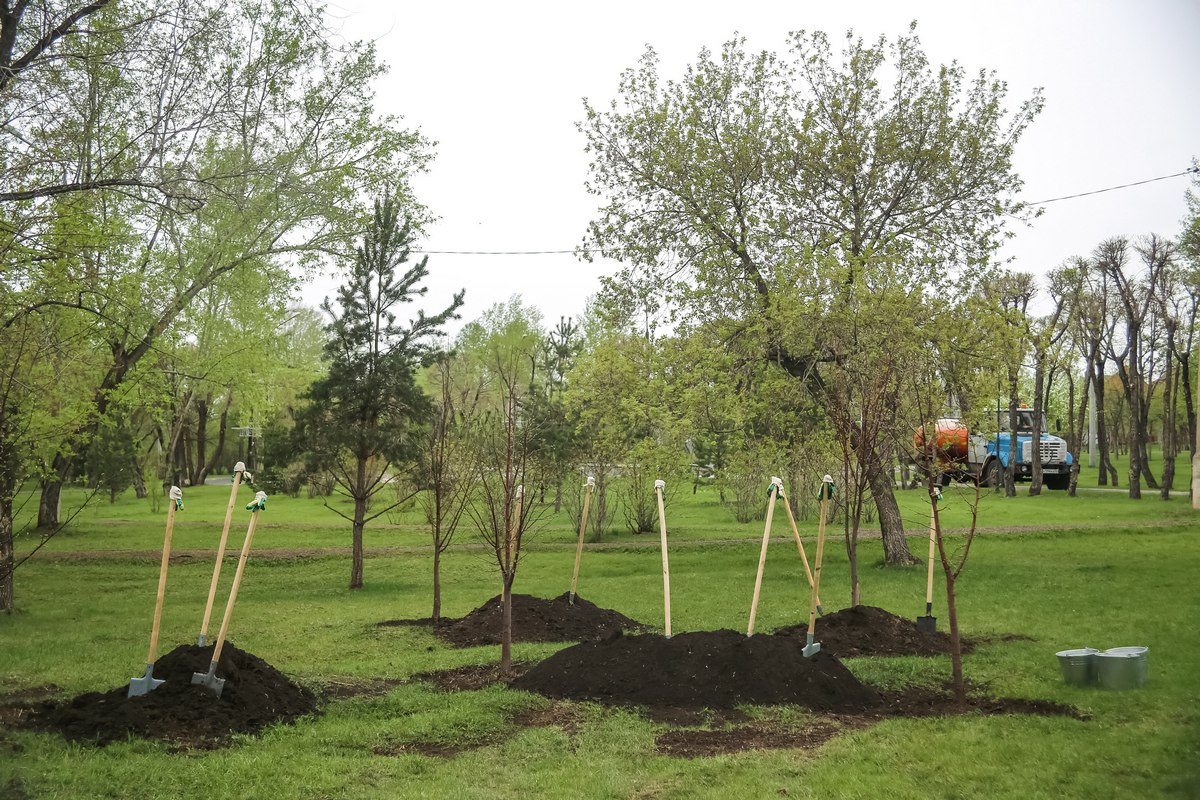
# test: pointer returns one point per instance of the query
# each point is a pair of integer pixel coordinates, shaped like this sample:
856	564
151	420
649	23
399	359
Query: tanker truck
967	457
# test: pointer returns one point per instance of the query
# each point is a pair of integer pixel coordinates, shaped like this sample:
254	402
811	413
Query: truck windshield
1024	420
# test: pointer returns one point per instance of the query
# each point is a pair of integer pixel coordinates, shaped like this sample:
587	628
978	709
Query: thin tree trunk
956	669
1035	439
1010	472
436	617
6	554
360	514
506	627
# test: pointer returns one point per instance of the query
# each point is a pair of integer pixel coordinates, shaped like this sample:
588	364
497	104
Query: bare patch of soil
701	743
872	631
556	715
473	676
367	687
535	619
191	716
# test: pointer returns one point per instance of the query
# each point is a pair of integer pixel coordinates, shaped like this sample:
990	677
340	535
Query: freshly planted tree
364	419
447	466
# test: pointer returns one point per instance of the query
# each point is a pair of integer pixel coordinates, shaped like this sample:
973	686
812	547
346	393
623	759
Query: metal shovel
148	683
811	647
928	623
209	679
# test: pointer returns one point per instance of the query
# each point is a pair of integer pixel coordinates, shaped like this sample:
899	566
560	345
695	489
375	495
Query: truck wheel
993	476
1057	483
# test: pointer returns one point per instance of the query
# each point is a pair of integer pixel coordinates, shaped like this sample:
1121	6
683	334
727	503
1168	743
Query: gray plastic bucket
1078	666
1122	667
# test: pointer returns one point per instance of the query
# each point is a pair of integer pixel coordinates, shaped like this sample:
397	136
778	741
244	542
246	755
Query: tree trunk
139	480
436	616
506	627
1035	439
51	500
891	524
6	555
1010	472
201	449
219	450
1106	465
960	686
1168	437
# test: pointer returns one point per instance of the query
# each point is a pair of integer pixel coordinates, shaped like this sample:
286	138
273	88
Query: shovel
773	491
659	486
811	648
587	498
800	546
148	683
238	471
209	679
928	623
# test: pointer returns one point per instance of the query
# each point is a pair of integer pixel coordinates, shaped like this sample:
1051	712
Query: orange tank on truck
951	441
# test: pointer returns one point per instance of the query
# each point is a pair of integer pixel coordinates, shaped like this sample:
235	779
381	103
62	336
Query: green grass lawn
1106	572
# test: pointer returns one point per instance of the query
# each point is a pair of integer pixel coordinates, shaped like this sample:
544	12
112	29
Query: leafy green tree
772	196
261	126
364	420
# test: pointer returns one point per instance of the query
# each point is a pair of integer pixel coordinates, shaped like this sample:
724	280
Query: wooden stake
774	490
587	499
212	587
826	491
662	529
799	545
176	500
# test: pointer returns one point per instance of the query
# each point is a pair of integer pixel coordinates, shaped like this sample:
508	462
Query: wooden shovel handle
162	583
237	582
932	546
799	545
812	609
662	530
587	499
212	587
762	560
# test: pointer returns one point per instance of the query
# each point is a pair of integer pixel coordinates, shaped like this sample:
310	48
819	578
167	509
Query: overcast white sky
500	85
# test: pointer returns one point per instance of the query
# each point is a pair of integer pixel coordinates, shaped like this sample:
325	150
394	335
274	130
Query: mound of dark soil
714	669
871	631
537	620
255	695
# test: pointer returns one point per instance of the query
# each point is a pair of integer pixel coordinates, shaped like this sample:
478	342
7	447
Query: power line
1188	171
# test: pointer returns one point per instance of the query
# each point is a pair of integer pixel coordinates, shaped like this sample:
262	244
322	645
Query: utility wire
1188	171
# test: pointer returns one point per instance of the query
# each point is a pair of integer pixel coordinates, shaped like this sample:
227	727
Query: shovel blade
145	684
927	624
209	680
810	650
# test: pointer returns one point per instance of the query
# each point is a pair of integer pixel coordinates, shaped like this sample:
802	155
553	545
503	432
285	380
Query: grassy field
1102	571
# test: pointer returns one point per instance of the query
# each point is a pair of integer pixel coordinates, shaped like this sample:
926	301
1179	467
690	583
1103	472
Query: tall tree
759	192
364	418
263	124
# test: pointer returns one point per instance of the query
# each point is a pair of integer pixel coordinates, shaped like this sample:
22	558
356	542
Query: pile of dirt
255	695
714	669
537	620
871	631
